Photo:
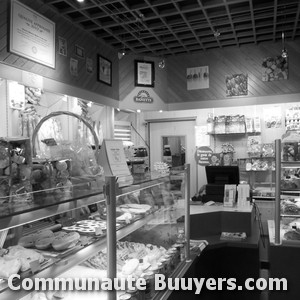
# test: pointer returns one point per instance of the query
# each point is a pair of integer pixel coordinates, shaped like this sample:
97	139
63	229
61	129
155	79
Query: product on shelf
87	226
25	255
65	242
254	145
290	206
249	124
268	150
29	241
226	124
292	118
45	239
129	256
135	208
48	175
291	235
15	170
9	266
220	124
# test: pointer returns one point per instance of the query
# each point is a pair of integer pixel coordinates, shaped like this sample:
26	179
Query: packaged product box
249	125
257	125
254	145
229	195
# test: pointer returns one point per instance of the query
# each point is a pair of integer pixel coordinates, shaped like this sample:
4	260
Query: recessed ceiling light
138	110
80	1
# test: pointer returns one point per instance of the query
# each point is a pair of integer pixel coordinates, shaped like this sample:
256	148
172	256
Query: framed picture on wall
144	73
104	70
62	46
79	51
24	38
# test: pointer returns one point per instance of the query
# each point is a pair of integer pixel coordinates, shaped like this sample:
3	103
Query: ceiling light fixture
161	64
216	32
284	52
121	53
80	1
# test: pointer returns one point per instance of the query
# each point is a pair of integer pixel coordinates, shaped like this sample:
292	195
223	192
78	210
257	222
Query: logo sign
143	96
203	156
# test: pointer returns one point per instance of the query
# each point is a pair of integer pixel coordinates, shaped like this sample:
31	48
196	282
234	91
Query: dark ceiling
175	27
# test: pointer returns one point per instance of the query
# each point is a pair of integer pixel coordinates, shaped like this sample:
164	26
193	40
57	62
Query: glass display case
286	227
131	230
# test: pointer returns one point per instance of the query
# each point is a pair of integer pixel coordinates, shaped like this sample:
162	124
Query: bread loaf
44	243
28	241
66	241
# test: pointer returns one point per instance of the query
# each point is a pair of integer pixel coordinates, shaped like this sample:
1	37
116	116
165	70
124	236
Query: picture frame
104	70
62	46
41	49
79	51
144	73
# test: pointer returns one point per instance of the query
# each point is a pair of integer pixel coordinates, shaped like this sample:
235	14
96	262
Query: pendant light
162	63
284	52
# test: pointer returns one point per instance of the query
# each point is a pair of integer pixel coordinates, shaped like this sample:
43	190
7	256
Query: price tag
98	231
35	266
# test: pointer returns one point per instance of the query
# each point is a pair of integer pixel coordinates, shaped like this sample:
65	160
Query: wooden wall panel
222	62
126	75
61	73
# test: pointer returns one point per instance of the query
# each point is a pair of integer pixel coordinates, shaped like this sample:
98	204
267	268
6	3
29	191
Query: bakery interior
143	137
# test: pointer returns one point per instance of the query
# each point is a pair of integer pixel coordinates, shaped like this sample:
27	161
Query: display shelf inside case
147	216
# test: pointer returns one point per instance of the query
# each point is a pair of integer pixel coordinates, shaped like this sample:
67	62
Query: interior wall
268	135
74	36
246	60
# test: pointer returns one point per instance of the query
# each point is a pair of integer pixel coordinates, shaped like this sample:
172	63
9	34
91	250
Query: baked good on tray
28	241
292	235
9	266
66	241
26	256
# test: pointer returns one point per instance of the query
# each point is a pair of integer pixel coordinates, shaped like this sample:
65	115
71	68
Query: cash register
217	177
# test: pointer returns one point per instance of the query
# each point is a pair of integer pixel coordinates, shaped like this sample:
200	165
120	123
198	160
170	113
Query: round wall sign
203	155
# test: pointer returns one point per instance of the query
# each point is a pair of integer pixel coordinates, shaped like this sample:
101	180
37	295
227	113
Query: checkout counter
226	258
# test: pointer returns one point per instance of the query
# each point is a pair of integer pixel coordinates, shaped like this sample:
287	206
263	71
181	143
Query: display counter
138	221
284	263
226	258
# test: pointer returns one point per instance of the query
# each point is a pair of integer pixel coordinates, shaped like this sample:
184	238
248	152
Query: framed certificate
144	73
31	35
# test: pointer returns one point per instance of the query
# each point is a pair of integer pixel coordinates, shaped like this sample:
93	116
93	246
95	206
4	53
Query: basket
58	172
59	113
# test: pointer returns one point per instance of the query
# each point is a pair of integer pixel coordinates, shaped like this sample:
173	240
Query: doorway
179	132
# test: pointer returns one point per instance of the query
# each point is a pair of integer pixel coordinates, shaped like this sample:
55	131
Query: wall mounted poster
274	68
236	85
31	35
197	78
